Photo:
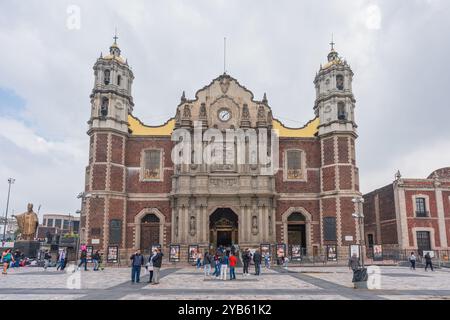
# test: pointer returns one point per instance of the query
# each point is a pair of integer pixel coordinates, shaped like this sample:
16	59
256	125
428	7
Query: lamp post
359	218
10	182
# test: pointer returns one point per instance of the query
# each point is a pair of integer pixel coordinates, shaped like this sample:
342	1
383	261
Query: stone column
441	217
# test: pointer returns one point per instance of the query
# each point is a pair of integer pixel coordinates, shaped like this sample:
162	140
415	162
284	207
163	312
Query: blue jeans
95	264
135	273
83	261
232	273
207	269
257	269
216	270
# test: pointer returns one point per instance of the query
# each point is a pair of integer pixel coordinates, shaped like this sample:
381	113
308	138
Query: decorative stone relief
255	225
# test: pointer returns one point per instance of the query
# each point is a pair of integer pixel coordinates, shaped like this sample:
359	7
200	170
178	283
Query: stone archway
297	219
138	219
224	227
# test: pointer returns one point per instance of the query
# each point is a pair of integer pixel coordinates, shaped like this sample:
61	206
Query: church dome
443	173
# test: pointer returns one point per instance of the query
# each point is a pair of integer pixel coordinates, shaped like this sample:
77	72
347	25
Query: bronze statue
28	223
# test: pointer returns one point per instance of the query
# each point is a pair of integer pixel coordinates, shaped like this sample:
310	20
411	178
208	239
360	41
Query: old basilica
136	197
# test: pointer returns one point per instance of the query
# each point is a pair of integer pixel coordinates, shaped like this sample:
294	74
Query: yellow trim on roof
308	131
139	129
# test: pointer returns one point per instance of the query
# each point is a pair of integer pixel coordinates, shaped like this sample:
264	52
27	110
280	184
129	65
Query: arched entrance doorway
296	225
150	228
223	226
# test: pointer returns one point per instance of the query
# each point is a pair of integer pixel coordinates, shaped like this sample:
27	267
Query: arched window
296	217
107	77
294	165
119	80
342	114
104	107
340	82
150	218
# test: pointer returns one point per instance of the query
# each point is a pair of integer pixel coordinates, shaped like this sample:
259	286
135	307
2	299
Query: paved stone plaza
186	282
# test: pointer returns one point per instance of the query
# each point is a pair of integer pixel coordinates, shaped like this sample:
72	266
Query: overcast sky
398	50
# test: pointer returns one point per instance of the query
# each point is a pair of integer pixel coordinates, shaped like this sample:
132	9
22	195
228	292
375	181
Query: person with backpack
207	261
412	261
7	258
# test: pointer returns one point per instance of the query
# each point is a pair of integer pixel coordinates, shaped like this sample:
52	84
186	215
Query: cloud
373	17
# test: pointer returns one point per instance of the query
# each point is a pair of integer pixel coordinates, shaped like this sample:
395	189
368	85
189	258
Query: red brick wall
99	177
423	223
136	145
446	198
117	176
389	233
116	149
328	150
96	217
328	178
343	151
102	147
312	185
345	177
311	147
347	221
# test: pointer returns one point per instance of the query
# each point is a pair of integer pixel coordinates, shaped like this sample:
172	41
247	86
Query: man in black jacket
257	259
137	261
246	256
157	261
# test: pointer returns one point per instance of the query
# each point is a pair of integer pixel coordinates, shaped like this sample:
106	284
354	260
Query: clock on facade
224	115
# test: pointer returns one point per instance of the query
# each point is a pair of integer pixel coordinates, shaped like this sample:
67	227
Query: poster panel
112	255
192	252
281	250
332	253
174	255
377	252
355	249
296	252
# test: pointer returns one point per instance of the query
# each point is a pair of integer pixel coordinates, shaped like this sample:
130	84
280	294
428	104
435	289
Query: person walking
47	259
150	265
246	260
199	260
7	257
157	262
412	261
257	259
137	261
267	260
233	262
96	260
428	262
224	262
353	262
207	261
61	260
83	259
216	261
285	262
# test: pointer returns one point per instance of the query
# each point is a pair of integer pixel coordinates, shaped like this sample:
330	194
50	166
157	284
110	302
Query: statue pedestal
29	247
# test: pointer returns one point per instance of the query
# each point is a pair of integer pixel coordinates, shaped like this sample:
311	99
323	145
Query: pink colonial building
410	214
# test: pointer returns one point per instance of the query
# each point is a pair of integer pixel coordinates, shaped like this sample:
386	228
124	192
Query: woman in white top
150	265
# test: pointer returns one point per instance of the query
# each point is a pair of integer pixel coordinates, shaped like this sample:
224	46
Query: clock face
224	115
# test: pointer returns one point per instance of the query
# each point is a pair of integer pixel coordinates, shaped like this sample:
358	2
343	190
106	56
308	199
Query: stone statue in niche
104	107
202	113
192	226
255	225
187	112
245	112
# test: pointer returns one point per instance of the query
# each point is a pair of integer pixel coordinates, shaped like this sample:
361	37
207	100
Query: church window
329	229
340	82
294	165
152	164
421	208
342	115
119	80
107	77
115	231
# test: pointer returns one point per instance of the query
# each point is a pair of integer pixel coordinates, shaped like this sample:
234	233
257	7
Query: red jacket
233	261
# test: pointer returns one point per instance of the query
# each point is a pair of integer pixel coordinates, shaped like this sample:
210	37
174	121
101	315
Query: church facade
136	195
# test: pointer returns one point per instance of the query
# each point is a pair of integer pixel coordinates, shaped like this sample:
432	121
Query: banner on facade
296	252
193	252
281	250
332	253
377	252
112	254
174	255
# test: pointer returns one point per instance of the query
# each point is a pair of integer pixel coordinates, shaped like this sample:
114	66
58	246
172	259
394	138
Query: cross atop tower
332	42
115	37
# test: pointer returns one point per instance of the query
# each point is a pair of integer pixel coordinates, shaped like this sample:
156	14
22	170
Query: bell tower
102	220
334	106
111	98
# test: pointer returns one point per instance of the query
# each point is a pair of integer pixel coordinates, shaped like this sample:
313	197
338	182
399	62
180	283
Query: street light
359	218
10	182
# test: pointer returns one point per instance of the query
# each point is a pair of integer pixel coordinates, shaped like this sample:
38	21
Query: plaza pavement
186	282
